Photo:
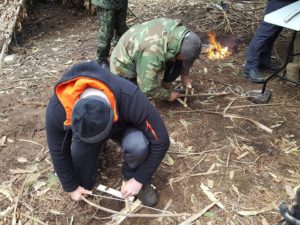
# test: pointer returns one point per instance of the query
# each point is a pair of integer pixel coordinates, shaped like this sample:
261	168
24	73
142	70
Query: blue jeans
261	45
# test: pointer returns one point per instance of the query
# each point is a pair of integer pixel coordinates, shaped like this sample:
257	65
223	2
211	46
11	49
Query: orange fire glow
216	50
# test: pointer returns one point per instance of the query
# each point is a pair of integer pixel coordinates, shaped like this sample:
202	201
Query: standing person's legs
106	18
120	22
265	56
262	43
85	158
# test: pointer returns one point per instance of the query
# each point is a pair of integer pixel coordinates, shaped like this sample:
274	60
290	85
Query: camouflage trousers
111	22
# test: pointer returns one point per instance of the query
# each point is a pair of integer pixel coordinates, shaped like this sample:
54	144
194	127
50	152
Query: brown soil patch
253	167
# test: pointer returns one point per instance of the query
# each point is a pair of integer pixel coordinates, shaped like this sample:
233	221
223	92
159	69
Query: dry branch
258	124
232	107
165	208
205	94
228	106
255	212
33	219
118	219
132	215
8	39
182	103
14	220
205	173
211	196
232	116
199	214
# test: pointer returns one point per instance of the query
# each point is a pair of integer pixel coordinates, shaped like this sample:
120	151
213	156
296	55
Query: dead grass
248	170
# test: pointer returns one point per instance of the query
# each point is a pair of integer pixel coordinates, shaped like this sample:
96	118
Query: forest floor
249	169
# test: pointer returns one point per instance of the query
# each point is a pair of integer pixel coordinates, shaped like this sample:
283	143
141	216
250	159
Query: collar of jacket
79	78
175	40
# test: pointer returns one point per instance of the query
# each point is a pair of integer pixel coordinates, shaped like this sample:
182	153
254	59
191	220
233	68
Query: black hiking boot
254	76
147	195
291	215
271	67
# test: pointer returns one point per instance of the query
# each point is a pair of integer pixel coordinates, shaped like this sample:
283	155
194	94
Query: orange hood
69	92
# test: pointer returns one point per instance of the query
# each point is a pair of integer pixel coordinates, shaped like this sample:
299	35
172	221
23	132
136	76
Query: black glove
291	216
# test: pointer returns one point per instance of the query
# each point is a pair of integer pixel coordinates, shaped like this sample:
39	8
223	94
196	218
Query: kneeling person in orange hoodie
90	106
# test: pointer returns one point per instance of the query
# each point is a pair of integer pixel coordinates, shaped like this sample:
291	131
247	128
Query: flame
216	50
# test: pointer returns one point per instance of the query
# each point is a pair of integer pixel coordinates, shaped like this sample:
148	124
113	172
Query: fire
216	50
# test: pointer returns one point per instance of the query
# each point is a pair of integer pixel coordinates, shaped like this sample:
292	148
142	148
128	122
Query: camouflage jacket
110	4
144	50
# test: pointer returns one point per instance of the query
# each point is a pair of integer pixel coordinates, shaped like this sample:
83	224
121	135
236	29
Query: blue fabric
261	45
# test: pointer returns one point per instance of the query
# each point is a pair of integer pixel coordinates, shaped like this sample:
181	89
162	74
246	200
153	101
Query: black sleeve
146	118
59	143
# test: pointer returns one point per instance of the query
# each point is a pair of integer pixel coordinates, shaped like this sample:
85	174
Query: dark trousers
173	70
111	21
261	45
135	147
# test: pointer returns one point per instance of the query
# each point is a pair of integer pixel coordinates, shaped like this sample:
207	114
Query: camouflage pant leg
106	18
120	23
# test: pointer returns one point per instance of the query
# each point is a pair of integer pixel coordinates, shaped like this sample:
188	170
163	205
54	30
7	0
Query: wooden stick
8	39
227	20
232	107
118	219
205	94
228	106
211	196
33	103
198	163
182	103
135	15
33	219
164	209
199	214
186	93
205	173
258	124
132	215
14	219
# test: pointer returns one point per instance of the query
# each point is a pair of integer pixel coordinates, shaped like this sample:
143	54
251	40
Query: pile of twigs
233	19
230	16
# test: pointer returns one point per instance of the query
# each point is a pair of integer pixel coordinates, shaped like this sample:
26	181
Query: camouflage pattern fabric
110	4
144	50
110	21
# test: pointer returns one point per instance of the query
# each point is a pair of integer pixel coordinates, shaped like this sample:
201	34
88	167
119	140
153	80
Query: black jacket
134	109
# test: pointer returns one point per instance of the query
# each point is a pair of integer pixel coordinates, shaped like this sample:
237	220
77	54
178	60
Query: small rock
10	59
239	6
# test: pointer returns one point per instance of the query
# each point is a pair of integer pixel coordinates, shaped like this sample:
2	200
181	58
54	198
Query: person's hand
131	188
80	191
173	96
186	80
